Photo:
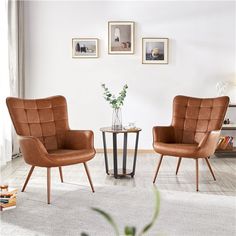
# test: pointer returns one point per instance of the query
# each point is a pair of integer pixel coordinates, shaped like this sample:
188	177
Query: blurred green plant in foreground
130	230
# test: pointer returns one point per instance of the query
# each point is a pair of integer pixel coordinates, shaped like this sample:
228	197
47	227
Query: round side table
123	171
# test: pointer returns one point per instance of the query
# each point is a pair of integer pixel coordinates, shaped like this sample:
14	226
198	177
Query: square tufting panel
194	117
46	119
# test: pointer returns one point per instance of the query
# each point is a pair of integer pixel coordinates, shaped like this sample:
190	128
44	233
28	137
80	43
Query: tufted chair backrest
194	117
46	119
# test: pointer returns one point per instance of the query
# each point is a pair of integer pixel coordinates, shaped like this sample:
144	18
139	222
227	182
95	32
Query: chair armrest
163	134
209	142
33	151
79	139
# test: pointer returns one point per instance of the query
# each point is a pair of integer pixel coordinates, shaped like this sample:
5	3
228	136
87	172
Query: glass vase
116	119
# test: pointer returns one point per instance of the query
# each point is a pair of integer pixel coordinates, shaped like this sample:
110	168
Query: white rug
70	214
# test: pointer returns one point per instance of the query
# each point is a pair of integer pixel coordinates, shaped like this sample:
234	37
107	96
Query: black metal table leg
135	154
115	154
120	172
125	152
105	151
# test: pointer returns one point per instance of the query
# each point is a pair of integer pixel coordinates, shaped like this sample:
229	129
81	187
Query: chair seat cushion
63	157
176	149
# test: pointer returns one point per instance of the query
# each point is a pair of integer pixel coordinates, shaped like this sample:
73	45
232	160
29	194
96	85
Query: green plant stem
108	218
155	215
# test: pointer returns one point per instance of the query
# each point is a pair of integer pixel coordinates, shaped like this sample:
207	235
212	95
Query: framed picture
120	37
155	50
84	47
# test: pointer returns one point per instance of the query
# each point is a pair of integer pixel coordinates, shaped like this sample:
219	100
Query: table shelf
232	105
229	127
226	152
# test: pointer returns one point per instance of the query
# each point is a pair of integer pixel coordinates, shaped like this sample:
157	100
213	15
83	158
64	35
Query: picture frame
155	50
121	37
85	47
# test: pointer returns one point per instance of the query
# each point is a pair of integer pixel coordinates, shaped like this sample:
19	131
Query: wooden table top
110	130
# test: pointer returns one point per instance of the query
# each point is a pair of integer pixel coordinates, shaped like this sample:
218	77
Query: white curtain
16	56
16	47
5	123
11	73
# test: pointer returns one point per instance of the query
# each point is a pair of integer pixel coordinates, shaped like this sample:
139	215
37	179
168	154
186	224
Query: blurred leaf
130	231
84	234
156	213
108	218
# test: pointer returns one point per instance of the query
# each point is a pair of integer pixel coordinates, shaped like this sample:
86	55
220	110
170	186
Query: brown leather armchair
45	137
194	131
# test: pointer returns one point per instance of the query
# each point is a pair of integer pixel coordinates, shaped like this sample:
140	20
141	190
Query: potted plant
116	103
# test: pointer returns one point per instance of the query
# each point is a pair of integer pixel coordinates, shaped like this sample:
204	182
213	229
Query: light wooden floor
15	173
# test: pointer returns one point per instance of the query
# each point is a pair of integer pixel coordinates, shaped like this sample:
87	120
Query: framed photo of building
155	50
85	47
120	37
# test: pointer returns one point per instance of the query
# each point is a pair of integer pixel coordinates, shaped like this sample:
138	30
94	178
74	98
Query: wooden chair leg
28	177
197	174
157	170
61	175
177	169
89	178
209	166
48	183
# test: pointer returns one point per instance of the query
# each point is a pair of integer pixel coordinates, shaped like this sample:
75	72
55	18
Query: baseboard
120	150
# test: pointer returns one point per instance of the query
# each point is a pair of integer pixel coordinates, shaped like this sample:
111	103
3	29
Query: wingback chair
45	137
194	131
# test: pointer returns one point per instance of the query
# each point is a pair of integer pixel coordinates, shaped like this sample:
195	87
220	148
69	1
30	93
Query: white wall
201	53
